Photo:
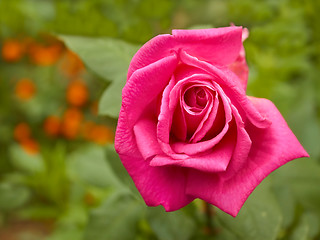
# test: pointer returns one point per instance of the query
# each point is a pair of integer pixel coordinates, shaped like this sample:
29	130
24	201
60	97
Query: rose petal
158	185
145	85
241	150
165	119
225	43
272	147
231	86
207	121
124	141
179	125
145	132
193	119
184	71
215	160
169	103
239	66
195	148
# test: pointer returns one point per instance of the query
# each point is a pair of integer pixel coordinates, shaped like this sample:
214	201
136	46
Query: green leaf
170	225
116	218
110	59
70	224
202	26
313	221
66	234
301	231
259	218
38	212
12	196
156	9
29	163
89	164
303	177
119	170
307	227
286	201
304	120
110	101
107	57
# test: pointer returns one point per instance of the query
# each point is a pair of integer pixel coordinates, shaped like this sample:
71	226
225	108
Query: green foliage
90	166
170	226
12	196
84	188
109	58
26	162
259	218
116	218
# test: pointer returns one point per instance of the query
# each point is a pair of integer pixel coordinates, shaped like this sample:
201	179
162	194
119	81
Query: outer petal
157	185
217	45
272	147
145	132
214	160
240	67
241	150
225	43
145	85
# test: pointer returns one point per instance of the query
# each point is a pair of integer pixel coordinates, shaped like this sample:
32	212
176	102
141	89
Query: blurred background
59	175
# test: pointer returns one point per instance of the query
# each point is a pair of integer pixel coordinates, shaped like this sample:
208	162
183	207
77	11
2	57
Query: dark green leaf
303	177
286	201
170	225
12	196
119	170
259	218
90	166
307	227
301	231
29	163
107	57
117	218
110	101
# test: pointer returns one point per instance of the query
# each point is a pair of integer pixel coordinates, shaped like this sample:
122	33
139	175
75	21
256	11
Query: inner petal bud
195	98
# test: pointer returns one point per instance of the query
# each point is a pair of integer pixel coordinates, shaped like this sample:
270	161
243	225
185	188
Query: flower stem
209	229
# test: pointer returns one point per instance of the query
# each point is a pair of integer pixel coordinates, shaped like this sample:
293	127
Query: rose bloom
187	129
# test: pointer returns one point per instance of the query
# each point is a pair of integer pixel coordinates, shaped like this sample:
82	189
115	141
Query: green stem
209	214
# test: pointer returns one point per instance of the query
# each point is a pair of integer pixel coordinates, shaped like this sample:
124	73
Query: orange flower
30	146
12	50
87	129
71	123
98	133
52	125
25	89
45	55
77	93
22	132
71	65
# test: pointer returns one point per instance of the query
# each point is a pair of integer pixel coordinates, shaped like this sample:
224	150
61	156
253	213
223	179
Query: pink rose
187	129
